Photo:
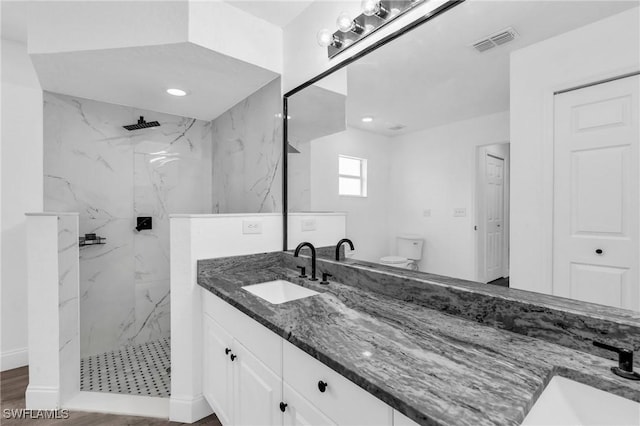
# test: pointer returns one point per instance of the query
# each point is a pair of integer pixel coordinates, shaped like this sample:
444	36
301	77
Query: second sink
279	291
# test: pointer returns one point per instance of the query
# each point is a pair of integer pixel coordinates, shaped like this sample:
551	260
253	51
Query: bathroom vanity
355	355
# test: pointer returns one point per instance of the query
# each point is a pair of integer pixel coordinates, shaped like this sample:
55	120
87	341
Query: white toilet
409	252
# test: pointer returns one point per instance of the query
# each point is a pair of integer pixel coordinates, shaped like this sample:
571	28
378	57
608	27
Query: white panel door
217	381
258	391
596	191
494	216
300	412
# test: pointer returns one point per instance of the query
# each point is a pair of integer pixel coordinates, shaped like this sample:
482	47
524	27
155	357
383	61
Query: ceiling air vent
496	39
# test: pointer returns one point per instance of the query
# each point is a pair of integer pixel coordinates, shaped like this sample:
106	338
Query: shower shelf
91	240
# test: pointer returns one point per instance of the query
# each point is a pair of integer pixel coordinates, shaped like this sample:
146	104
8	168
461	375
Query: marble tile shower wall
109	175
247	154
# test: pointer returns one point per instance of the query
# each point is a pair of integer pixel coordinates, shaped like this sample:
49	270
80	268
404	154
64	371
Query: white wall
223	28
304	59
328	228
435	169
601	50
196	237
53	298
366	216
21	191
74	26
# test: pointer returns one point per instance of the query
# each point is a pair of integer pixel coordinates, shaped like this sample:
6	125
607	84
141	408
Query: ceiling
279	13
14	20
431	76
139	77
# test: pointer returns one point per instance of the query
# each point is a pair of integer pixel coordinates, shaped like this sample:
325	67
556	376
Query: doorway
492	214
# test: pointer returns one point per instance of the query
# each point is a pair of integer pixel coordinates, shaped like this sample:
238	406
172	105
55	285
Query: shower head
141	125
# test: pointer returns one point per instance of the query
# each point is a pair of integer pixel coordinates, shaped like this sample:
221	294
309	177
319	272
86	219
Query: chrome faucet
313	258
341	242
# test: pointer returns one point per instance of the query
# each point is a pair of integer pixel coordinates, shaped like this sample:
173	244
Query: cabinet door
300	412
257	392
217	368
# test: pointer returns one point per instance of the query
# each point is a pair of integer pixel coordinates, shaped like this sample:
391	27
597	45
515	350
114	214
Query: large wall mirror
413	143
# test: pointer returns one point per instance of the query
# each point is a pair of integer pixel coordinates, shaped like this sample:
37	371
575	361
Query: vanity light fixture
177	92
375	14
367	119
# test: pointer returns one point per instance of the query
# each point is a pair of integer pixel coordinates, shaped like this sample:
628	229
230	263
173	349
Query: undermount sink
567	402
279	291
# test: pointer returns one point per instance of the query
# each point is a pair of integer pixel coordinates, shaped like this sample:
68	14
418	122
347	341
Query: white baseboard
42	398
188	410
115	403
14	359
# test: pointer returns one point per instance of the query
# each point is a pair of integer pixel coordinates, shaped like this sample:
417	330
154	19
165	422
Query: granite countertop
436	368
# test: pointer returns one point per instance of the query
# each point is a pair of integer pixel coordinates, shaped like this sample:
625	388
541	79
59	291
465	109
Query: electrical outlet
426	213
459	212
308	224
252	227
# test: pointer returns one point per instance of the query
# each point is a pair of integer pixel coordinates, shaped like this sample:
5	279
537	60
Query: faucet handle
325	275
625	361
302	271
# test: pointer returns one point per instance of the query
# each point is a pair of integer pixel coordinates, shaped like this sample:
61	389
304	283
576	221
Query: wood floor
14	384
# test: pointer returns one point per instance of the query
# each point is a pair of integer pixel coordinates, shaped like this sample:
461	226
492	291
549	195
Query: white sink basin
566	402
279	291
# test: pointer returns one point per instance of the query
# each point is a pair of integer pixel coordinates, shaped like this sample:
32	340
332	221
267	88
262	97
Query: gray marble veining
434	367
567	322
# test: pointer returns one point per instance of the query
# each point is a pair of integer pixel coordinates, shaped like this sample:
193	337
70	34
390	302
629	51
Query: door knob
226	351
322	386
599	251
233	357
283	406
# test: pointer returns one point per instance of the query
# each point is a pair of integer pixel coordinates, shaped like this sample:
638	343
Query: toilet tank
410	246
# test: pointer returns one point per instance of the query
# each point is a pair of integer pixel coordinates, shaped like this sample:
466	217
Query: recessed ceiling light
367	119
177	92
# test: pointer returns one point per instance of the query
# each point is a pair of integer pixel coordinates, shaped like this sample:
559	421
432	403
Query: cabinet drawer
259	340
343	401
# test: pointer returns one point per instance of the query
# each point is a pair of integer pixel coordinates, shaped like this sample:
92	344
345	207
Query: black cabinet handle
226	351
283	406
322	386
599	251
233	357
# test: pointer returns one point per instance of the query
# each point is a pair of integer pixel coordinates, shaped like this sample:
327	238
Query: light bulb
370	7
324	37
344	22
177	92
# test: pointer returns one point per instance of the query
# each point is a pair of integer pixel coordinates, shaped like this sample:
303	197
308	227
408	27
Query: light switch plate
252	227
308	224
459	212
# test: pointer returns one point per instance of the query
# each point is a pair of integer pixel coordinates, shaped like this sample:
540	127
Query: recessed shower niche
112	177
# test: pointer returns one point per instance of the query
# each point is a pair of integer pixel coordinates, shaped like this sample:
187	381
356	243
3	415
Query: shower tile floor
135	370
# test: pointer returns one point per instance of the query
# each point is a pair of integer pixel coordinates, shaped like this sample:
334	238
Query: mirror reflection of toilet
409	249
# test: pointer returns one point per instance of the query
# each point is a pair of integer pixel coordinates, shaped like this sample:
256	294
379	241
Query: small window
352	176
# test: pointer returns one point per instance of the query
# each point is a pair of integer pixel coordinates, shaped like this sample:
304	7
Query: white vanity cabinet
300	412
248	371
341	400
242	390
217	384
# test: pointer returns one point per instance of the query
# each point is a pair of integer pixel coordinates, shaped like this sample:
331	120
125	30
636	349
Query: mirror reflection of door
492	207
596	204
